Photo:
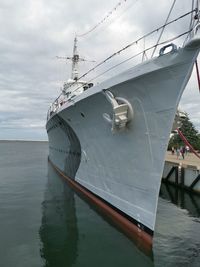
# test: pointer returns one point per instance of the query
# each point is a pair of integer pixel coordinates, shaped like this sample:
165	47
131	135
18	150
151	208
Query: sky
34	32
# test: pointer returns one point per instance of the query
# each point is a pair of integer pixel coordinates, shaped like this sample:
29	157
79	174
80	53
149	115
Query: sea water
45	223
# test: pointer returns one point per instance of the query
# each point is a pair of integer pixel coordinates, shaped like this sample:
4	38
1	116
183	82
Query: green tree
189	131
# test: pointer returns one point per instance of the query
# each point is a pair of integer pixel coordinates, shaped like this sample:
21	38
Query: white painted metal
124	167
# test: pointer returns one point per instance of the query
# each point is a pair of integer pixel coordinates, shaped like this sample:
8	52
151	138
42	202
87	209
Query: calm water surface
44	223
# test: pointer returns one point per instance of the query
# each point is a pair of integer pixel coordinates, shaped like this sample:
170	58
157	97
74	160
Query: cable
134	42
163	27
192	21
131	44
126	60
114	19
104	19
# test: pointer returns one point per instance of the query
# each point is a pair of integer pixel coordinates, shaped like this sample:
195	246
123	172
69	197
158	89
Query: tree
189	131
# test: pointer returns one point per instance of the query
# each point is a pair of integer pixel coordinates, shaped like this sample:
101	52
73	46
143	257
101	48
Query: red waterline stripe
142	239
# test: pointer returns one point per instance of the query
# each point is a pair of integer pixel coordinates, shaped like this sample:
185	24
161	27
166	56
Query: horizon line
23	140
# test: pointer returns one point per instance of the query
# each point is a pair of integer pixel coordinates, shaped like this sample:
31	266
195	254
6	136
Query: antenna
75	60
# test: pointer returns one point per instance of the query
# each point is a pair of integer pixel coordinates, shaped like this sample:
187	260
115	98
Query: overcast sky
34	32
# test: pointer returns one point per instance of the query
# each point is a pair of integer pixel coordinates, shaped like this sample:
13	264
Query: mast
75	60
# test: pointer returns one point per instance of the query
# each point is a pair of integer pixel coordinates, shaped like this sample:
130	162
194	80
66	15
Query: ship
109	140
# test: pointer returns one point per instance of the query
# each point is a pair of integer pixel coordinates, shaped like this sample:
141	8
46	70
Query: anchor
122	112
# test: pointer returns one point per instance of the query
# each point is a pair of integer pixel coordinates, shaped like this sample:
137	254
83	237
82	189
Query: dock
190	159
184	173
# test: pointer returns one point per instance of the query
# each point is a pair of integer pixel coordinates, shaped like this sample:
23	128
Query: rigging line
134	42
197	4
192	21
163	27
116	18
104	19
128	59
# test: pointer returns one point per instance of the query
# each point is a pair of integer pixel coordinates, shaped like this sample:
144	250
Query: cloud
34	32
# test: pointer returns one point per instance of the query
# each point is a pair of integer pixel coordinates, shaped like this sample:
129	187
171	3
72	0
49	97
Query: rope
126	60
144	51
134	42
191	19
113	20
163	28
192	22
103	20
131	44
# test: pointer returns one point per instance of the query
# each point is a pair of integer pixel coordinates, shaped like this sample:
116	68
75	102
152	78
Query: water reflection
74	234
177	232
59	232
181	198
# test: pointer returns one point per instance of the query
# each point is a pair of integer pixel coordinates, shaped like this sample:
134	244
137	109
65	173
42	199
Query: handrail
126	47
136	42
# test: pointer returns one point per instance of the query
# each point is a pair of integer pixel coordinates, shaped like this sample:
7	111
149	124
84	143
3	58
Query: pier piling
182	173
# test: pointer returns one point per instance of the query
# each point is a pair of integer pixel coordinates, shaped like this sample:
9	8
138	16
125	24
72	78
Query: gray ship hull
123	168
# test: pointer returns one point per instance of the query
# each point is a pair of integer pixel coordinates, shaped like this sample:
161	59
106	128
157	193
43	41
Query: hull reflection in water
74	234
59	232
